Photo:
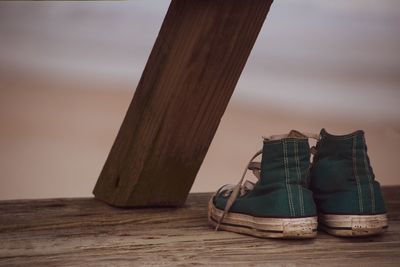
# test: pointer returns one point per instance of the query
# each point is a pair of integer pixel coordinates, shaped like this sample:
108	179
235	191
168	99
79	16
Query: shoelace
235	192
256	168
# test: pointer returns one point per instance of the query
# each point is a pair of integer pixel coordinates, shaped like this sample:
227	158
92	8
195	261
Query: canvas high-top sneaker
279	204
348	198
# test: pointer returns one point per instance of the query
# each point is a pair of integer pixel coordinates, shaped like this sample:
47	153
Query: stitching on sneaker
371	188
301	196
360	203
288	189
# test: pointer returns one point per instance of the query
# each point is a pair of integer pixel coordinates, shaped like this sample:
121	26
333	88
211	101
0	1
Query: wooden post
194	66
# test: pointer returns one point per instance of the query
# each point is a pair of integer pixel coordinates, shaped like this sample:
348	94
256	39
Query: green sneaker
348	199
279	204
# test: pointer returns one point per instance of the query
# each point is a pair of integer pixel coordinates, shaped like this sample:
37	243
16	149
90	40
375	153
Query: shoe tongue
296	134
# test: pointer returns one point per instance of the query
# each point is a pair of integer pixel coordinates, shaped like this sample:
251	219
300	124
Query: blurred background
68	71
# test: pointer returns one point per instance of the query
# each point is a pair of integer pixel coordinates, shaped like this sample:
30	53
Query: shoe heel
299	227
353	225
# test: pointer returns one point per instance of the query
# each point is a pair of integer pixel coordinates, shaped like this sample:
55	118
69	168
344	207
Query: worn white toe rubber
292	228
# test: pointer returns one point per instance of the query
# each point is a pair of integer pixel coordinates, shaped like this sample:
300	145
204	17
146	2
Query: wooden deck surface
87	232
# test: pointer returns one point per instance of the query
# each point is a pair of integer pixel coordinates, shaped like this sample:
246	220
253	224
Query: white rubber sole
292	228
353	225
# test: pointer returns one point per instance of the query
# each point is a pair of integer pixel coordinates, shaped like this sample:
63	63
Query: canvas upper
342	179
282	188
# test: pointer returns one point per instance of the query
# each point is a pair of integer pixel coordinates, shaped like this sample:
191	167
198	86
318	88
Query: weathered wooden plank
194	66
75	232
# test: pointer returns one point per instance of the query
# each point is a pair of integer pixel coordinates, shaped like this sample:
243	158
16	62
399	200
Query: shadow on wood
194	66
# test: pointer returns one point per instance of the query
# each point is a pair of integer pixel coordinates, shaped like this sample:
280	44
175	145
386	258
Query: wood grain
76	232
194	66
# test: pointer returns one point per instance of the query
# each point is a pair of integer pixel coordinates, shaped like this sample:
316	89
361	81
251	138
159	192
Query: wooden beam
194	66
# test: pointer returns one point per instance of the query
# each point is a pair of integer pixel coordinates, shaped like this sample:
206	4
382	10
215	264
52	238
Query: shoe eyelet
226	193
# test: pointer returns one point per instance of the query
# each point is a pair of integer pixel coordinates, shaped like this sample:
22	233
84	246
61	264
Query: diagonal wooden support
194	66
